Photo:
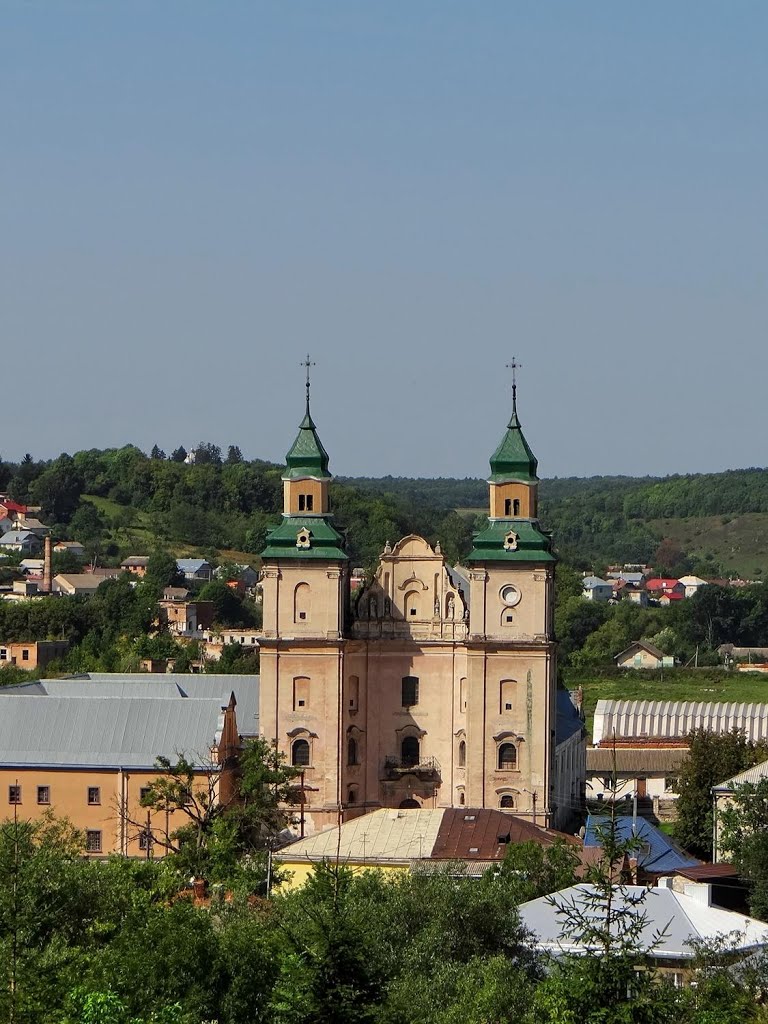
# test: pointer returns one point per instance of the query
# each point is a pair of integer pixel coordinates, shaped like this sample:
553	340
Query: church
431	686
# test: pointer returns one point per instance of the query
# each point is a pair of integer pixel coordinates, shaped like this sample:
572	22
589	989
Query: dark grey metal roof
128	732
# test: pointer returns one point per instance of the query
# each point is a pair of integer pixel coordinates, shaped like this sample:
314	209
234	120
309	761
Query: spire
307	457
513	459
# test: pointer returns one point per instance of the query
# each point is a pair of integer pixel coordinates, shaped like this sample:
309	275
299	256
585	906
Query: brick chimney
47	559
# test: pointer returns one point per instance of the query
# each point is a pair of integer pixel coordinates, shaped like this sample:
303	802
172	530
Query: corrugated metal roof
384	835
674	720
644	759
125	732
753	775
670	920
218	685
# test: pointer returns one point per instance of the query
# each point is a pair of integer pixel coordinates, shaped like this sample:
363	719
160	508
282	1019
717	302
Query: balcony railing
394	766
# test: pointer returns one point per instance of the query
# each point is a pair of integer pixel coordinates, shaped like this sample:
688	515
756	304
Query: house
28	587
194	568
722	796
649	774
69	547
403	839
656	854
135	564
247	578
595	589
25	522
175	594
87	753
77	584
35	654
32	566
216	641
635	593
643	654
664	587
24	541
692	584
186	618
674	920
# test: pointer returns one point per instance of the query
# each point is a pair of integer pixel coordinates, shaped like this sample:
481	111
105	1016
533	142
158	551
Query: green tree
743	835
712	758
162	570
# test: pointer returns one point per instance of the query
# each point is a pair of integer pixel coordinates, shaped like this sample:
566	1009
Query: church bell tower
304	583
511	650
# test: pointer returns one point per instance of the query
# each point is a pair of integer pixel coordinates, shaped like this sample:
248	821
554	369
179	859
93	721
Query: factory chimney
47	558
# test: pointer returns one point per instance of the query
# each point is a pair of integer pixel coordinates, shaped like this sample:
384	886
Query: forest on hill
114	500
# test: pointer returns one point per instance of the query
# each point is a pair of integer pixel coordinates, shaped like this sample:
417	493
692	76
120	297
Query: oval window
510	595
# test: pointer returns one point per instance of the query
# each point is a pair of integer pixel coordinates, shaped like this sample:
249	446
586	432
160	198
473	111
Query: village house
193	569
676	915
24	541
186	618
595	589
722	796
642	654
649	775
135	564
33	655
664	587
81	584
216	640
69	547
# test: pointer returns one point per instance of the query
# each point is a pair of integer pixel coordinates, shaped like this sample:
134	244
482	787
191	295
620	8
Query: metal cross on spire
514	366
307	364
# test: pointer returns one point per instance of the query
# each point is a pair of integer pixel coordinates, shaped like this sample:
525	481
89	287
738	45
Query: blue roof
190	564
658	855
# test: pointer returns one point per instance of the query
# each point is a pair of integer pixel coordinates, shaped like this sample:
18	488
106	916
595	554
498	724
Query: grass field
680	684
132	528
739	542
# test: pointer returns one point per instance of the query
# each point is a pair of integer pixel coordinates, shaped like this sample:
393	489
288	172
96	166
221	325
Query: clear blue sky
193	195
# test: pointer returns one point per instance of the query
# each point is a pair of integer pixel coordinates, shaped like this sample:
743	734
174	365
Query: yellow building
436	686
86	751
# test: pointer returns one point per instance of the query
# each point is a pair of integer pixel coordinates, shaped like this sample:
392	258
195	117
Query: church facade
431	686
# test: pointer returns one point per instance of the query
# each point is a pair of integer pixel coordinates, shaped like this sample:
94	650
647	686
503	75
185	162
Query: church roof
511	540
306	457
324	541
513	459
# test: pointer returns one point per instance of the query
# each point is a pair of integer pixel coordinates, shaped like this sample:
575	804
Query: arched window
507	506
300	753
411	604
461	797
352	795
300	693
301	603
507	801
351	750
507	756
462	754
410	805
516	507
353	692
409	752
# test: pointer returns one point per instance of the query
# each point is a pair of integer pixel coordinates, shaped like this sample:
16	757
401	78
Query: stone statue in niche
387	607
449	609
437	606
373	608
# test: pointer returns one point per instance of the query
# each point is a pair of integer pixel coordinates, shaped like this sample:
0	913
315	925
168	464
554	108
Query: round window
510	595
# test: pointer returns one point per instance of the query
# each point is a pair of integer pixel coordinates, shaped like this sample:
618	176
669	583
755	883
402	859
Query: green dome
513	459
307	457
